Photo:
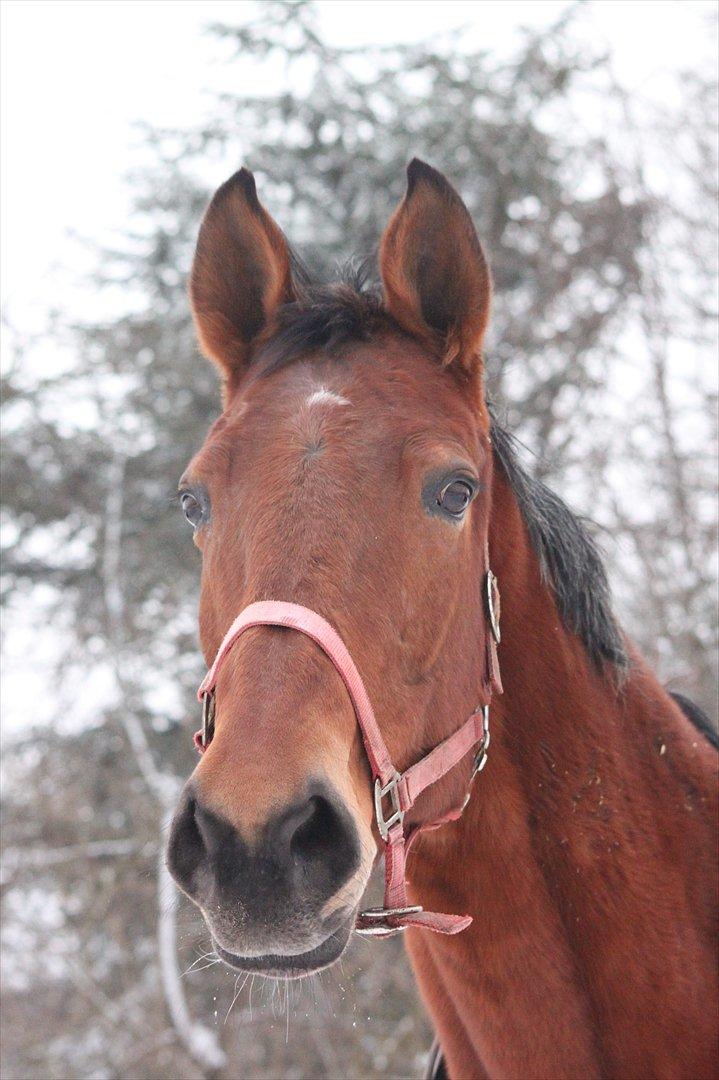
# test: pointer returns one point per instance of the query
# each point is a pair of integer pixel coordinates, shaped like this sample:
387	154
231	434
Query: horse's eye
191	508
455	497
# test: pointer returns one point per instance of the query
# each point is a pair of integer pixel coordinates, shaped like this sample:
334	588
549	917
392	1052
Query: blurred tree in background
602	333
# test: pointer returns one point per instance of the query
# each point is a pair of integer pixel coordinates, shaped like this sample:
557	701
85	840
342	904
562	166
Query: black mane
568	557
327	317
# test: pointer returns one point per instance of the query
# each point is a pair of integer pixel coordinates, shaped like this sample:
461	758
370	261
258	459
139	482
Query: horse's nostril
185	848
316	841
318	830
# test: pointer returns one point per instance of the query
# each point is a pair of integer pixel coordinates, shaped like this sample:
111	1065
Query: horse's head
349	472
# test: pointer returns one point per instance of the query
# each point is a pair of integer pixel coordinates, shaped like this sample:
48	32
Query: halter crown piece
394	792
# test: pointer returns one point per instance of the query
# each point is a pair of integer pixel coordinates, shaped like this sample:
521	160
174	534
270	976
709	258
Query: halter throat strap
394	792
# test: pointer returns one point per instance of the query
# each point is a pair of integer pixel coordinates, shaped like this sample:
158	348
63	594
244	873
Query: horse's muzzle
264	902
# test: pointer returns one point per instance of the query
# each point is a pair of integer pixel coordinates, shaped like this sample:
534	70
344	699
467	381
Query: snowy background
584	138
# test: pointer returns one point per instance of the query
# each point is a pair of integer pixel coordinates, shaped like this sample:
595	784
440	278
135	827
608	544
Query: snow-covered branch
200	1041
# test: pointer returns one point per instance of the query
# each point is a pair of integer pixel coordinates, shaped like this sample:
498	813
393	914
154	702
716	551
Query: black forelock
325	318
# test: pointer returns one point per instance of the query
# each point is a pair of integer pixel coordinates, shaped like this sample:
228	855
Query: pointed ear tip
245	177
243	180
246	181
419	171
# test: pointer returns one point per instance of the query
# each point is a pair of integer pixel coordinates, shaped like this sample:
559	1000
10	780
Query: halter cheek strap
394	793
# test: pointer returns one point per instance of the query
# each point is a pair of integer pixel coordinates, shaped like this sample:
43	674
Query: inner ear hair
240	275
436	278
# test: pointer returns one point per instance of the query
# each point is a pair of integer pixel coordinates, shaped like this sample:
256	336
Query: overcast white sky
78	74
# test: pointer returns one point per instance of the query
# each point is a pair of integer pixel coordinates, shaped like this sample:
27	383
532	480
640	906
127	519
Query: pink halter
399	790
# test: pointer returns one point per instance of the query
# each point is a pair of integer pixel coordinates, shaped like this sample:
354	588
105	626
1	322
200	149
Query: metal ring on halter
381	914
480	758
208	718
492	598
481	755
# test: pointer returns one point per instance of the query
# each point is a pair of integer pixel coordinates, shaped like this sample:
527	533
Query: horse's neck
584	856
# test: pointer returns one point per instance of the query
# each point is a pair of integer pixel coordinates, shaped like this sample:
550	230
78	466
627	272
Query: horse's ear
436	279
240	274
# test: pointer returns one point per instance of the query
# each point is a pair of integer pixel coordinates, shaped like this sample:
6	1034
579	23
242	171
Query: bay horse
355	505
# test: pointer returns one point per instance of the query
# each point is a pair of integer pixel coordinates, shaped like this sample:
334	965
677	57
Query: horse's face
352	484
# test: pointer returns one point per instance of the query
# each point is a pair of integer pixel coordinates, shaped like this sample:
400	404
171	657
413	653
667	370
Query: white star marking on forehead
323	396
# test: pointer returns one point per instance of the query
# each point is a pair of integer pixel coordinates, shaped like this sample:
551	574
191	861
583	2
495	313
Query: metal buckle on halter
381	915
492	599
208	718
385	824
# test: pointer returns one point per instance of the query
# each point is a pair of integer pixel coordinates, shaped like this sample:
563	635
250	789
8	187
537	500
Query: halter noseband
394	792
